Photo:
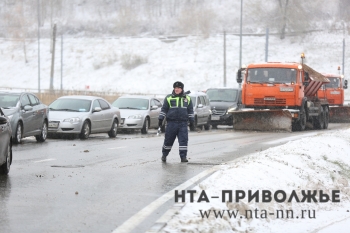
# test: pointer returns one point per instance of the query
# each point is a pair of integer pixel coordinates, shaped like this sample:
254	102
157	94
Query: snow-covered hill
198	62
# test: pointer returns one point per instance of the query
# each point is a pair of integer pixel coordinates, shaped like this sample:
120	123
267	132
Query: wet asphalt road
95	185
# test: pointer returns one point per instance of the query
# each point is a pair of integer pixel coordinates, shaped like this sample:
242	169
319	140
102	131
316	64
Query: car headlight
72	120
232	109
135	116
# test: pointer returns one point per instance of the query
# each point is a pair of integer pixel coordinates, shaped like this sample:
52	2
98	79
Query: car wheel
43	135
113	132
18	134
5	168
144	129
194	125
207	125
85	131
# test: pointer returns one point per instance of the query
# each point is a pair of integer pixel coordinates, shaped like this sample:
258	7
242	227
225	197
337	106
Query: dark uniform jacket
177	108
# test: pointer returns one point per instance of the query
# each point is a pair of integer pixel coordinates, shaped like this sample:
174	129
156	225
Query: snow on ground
320	162
196	61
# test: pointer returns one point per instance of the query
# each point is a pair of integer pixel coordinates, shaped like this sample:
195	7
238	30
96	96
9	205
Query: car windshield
334	82
222	95
8	100
272	75
71	105
131	103
193	100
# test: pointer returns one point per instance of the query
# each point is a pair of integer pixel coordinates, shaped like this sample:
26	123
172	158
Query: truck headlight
232	109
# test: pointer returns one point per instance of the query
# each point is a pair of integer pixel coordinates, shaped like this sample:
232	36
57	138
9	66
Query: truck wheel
326	117
301	123
319	120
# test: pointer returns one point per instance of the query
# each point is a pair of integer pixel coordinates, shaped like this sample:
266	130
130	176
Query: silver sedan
27	114
83	115
138	112
5	144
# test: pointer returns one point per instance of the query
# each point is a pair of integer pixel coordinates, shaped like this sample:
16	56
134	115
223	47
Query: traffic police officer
178	110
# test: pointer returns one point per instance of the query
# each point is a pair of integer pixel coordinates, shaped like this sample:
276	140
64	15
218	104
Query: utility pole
224	58
53	56
61	62
267	45
240	38
38	1
343	55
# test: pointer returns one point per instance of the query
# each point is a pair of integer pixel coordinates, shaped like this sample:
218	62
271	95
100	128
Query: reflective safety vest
170	98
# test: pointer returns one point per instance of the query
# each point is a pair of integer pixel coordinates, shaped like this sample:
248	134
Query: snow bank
320	162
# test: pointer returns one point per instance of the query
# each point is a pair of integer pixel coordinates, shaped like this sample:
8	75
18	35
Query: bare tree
19	26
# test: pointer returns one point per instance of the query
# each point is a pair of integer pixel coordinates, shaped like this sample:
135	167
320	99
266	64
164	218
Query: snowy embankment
99	63
319	163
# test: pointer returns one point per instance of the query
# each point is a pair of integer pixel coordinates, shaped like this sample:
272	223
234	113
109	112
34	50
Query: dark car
222	100
28	115
5	144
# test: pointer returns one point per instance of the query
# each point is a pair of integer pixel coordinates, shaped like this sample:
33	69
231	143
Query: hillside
150	65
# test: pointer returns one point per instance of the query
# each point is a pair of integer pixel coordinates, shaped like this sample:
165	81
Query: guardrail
48	96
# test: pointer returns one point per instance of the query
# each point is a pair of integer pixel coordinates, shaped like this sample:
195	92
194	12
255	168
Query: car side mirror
3	120
97	109
200	105
154	107
28	108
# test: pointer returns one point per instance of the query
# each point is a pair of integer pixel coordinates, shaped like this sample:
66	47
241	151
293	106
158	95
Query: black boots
183	160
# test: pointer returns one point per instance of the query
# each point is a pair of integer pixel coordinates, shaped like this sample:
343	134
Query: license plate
53	124
215	118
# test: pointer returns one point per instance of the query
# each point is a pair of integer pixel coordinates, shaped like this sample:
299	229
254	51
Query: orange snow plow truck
281	96
334	93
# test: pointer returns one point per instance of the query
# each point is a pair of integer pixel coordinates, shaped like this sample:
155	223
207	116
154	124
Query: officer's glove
191	125
160	123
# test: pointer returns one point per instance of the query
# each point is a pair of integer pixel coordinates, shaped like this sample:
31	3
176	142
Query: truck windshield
222	95
272	75
334	82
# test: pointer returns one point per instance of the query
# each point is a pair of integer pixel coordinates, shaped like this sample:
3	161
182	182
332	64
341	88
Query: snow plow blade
262	120
339	114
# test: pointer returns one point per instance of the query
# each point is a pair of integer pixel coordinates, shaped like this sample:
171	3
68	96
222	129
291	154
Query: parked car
138	112
5	144
221	101
27	114
83	115
201	109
